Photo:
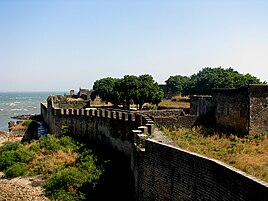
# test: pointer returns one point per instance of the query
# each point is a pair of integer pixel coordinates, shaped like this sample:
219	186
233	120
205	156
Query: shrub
69	167
50	142
67	181
7	159
35	147
68	143
9	146
67	196
25	154
15	170
65	129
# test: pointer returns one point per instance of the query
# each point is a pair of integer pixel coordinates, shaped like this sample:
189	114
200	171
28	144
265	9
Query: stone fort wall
232	108
158	171
258	108
170	173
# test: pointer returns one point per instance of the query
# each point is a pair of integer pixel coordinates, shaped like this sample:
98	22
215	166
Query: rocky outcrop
31	133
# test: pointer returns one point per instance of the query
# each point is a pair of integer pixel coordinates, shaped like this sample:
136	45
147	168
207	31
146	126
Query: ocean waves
22	103
16	109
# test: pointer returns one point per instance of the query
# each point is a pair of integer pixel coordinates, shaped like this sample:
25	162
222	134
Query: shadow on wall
116	183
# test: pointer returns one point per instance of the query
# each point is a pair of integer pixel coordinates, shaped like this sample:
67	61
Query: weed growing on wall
69	167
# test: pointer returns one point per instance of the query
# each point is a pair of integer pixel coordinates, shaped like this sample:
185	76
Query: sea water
13	104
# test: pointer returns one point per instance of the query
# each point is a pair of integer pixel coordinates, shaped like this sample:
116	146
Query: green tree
149	91
177	83
246	79
105	89
208	78
130	89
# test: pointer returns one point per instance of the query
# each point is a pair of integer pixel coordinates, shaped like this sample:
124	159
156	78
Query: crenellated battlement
128	132
103	113
97	112
132	119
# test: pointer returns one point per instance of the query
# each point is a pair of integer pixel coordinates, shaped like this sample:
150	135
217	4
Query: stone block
82	112
108	114
113	115
125	116
150	128
97	113
144	129
92	113
71	111
119	115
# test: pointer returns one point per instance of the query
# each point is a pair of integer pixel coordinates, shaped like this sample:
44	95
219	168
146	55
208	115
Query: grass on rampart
176	102
67	166
248	154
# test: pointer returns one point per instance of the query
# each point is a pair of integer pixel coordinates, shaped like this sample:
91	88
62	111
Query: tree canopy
129	89
208	78
177	83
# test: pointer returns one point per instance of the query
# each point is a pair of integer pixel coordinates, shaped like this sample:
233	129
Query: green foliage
7	159
105	89
25	154
26	123
65	129
261	135
68	143
177	83
14	156
208	78
35	148
68	182
130	89
15	170
9	146
69	167
66	196
50	142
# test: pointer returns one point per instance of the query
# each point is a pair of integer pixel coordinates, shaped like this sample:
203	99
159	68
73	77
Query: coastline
19	188
16	129
15	133
14	104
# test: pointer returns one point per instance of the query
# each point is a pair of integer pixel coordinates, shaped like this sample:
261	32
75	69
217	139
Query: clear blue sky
48	45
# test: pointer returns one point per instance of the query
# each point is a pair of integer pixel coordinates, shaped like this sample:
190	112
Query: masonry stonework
258	109
201	105
172	118
170	173
244	109
232	108
157	171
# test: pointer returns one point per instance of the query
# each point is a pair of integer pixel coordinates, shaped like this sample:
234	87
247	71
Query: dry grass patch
178	102
69	99
18	127
46	162
249	154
